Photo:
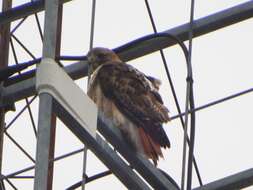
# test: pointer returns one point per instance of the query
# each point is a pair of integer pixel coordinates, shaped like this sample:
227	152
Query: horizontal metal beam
201	26
102	150
233	182
25	88
24	10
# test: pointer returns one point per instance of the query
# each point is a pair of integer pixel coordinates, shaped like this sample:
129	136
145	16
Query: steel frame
111	159
24	10
23	86
237	181
4	57
51	49
79	69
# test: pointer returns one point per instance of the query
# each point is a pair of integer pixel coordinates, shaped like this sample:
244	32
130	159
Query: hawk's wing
135	96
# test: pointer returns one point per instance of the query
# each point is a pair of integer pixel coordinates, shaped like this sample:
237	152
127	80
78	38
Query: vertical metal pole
53	117
47	121
4	55
191	100
50	28
43	142
85	151
84	167
2	124
50	173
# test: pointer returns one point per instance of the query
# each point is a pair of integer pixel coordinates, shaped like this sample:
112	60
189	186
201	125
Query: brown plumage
131	100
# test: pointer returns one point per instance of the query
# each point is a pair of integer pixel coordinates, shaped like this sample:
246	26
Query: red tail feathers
151	148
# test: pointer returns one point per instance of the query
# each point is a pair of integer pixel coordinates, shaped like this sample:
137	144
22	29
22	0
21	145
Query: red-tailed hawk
131	100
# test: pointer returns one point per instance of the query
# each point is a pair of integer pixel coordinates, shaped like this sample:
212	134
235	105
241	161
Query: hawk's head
98	56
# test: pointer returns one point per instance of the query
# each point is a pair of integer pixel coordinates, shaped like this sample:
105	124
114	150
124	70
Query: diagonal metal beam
11	175
201	26
237	181
147	170
20	90
24	10
102	150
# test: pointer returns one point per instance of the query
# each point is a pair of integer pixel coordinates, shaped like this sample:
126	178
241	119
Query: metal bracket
52	79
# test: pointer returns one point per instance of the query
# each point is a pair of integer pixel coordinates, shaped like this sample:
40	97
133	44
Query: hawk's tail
151	148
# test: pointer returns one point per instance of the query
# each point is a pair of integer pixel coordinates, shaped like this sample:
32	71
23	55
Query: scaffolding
133	171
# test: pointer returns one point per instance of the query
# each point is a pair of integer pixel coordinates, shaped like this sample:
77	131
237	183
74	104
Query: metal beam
147	170
233	182
47	119
201	26
4	55
53	117
24	10
25	88
43	142
102	150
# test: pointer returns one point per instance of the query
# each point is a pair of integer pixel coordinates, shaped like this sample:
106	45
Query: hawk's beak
89	58
90	61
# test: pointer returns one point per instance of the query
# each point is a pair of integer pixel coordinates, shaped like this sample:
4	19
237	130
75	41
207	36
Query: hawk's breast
113	113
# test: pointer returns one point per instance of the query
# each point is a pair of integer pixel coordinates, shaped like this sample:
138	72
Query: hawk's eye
101	56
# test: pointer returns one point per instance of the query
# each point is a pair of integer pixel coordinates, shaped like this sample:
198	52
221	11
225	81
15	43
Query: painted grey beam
43	141
202	26
26	87
57	50
102	150
18	91
50	29
23	11
46	117
233	182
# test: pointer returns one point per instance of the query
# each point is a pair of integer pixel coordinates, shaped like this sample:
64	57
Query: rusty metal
53	118
4	54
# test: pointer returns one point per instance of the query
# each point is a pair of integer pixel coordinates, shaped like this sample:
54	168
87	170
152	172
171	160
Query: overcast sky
222	65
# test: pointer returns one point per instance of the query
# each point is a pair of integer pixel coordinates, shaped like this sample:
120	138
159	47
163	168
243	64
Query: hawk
131	100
